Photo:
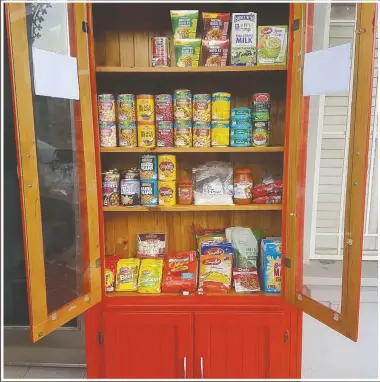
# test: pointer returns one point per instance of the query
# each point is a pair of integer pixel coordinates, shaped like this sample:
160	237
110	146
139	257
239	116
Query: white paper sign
55	75
327	71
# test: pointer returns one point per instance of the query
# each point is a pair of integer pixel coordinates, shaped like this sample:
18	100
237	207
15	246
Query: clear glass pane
328	140
56	130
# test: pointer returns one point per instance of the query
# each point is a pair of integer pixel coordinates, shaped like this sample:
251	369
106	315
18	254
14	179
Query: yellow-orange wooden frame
41	322
346	322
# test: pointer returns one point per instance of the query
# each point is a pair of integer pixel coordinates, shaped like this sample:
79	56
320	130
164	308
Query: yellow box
167	167
167	193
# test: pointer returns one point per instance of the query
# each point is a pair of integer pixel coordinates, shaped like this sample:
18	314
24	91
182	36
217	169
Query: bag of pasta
150	276
127	275
215	273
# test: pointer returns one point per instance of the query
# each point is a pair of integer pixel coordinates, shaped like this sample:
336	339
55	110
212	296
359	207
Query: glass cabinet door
56	163
326	164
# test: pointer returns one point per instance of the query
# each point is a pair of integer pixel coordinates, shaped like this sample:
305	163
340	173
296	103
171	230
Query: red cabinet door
239	345
148	345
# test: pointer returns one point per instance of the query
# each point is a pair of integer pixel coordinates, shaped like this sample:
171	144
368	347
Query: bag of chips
180	272
127	274
110	272
215	273
151	245
150	276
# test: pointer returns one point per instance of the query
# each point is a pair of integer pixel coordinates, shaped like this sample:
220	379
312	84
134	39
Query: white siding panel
333	143
326	180
338	172
336	110
327	230
332	163
328	199
328	206
336	101
338	129
328	215
326	241
335	120
344	31
329	189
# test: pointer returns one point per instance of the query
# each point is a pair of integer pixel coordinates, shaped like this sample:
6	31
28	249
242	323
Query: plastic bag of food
110	271
184	24
246	243
180	272
151	245
246	280
150	276
215	25
267	186
208	239
215	273
127	275
215	52
213	184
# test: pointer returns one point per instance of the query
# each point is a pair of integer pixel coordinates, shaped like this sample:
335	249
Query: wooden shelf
194	208
200	69
273	149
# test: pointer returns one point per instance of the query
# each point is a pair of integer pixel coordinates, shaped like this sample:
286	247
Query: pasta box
270	264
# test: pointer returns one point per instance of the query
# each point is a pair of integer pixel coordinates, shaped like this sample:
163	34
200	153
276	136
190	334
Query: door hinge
97	262
296	25
100	338
287	262
84	26
286	337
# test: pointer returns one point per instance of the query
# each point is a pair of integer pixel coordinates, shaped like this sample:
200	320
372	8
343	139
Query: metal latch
296	25
361	30
100	338
286	337
287	262
97	262
84	27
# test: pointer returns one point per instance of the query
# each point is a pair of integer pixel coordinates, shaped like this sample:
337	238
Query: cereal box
272	45
243	39
270	264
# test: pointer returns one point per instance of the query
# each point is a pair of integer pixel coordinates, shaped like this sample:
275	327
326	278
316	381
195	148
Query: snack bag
127	274
246	280
215	273
151	245
180	272
270	264
150	276
110	272
209	239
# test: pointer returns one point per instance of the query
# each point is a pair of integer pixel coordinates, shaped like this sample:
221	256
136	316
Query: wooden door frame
345	323
41	322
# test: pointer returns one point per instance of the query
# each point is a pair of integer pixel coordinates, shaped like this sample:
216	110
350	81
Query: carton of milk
270	264
272	45
243	39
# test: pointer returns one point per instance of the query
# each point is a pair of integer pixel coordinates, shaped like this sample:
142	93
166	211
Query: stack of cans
241	127
261	119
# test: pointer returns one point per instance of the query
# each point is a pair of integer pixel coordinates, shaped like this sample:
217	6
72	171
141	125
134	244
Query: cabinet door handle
184	367
201	361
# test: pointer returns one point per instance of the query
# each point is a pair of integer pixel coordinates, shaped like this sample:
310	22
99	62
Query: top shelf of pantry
199	69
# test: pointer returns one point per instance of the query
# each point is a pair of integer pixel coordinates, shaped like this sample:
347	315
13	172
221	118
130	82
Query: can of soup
146	134
127	134
261	107
148	167
161	51
202	108
166	193
260	134
126	107
183	110
167	168
221	106
145	108
130	188
106	108
149	192
111	181
164	107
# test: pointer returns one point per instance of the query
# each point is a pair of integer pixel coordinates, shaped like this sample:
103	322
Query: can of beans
260	134
166	193
183	109
127	134
161	51
221	106
261	107
164	134
146	134
111	181
164	107
167	167
183	134
148	167
107	134
202	108
145	108
201	134
130	188
149	193
106	108
126	107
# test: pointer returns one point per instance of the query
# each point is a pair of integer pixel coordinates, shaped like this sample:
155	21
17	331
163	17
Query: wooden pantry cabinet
129	335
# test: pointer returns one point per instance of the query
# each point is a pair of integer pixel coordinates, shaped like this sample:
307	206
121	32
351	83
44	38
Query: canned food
260	134
129	190
238	113
111	180
166	193
182	134
261	107
131	173
127	134
241	133
106	108
221	106
167	168
164	134
202	108
182	105
149	193
240	142
161	51
126	107
164	107
148	167
201	134
241	124
145	108
107	134
220	133
146	134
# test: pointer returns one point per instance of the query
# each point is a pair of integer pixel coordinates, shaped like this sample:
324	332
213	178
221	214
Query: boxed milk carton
270	264
272	45
243	39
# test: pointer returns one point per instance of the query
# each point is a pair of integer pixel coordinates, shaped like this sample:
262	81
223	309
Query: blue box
270	264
